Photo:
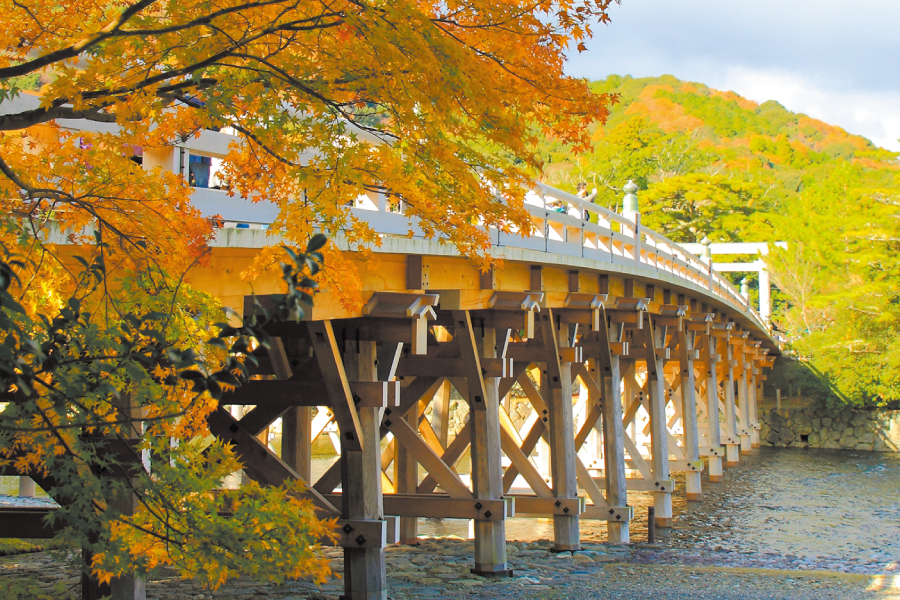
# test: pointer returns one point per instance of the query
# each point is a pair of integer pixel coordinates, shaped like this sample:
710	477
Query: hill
678	140
713	164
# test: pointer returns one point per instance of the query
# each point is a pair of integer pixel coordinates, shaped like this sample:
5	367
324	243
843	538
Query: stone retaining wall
815	426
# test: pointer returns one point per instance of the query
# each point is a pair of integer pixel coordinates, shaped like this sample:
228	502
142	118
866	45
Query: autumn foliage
441	104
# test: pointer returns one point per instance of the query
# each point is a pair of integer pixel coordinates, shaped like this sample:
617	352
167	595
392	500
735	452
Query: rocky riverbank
440	569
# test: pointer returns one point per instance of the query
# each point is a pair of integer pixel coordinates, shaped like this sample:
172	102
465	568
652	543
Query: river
825	507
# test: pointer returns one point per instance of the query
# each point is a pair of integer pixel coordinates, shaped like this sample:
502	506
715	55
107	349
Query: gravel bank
439	569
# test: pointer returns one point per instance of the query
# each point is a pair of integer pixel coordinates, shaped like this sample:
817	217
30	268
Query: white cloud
874	115
830	60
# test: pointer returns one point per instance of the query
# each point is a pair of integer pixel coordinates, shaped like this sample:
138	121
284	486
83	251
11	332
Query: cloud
874	115
830	60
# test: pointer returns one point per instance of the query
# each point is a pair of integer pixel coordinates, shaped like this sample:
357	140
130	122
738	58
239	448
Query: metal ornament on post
745	288
630	212
630	201
706	254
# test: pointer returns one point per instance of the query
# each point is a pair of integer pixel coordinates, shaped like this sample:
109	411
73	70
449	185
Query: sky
833	60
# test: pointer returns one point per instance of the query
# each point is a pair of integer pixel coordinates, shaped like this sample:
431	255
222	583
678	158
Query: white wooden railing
617	239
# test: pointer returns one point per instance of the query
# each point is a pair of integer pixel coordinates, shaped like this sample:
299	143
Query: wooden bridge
666	357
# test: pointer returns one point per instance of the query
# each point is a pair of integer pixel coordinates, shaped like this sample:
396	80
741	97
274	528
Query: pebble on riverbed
440	568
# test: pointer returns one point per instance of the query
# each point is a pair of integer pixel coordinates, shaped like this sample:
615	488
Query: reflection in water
803	502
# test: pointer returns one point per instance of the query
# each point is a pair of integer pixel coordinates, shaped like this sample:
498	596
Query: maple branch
56	111
75	49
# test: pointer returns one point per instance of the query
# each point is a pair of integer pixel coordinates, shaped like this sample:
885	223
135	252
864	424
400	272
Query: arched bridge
600	358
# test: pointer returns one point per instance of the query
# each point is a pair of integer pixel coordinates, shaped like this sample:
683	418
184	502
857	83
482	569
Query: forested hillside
713	164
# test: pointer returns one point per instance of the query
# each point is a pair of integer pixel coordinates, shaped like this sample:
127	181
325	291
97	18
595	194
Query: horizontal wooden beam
28	523
414	366
527	353
685	466
712	451
533	505
441	506
616	514
288	393
633	484
358	533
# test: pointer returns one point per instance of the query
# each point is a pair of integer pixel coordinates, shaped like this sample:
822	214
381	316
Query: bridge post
712	408
609	377
732	447
26	487
484	417
631	212
744	393
655	347
755	393
558	396
765	294
686	342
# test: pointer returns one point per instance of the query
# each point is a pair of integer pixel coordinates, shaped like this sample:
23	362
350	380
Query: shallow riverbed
806	508
818	507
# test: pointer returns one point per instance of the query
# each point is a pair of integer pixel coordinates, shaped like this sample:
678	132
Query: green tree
840	274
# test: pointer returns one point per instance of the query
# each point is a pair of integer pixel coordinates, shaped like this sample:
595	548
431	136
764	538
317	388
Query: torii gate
705	249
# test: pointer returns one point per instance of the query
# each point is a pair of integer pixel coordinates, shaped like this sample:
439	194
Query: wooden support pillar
627	370
440	416
732	441
558	397
296	441
744	397
361	358
692	484
609	376
755	394
484	419
712	409
361	500
296	423
129	586
654	339
406	479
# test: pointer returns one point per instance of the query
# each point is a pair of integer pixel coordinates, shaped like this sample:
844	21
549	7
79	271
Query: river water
830	508
822	506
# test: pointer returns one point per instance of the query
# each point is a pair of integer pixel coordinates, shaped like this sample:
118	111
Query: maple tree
441	104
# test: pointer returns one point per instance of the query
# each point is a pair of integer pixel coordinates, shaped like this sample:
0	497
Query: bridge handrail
653	243
615	238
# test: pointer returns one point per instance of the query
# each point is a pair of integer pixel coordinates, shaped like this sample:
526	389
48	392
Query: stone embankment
812	424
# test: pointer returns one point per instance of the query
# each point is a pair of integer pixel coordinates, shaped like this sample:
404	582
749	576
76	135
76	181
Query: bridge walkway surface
593	359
